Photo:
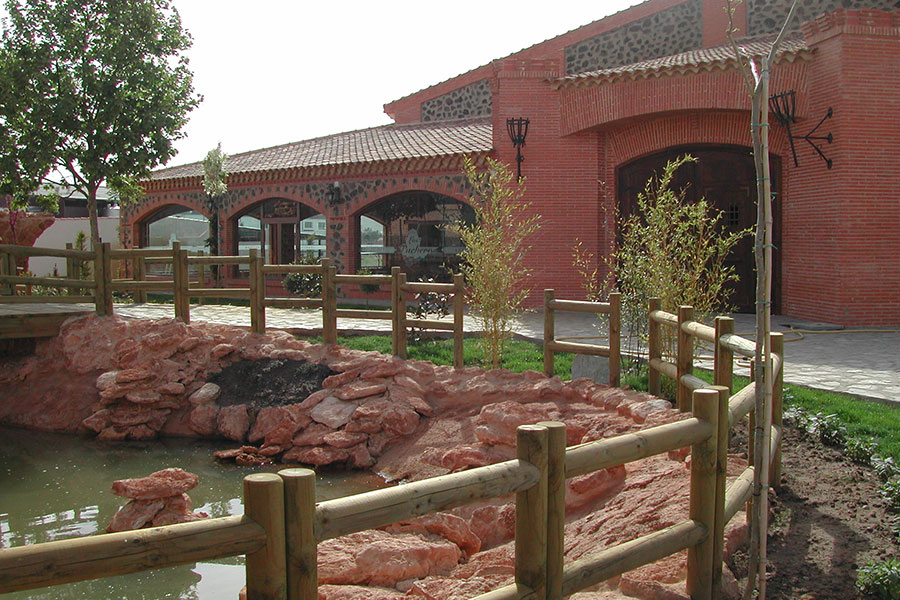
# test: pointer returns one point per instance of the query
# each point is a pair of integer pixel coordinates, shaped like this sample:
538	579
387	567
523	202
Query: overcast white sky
289	70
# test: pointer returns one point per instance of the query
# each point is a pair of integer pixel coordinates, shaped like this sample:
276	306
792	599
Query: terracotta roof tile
385	143
703	59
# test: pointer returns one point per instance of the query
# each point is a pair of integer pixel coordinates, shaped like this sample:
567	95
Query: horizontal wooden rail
157	285
369	510
423	286
740	404
46	299
622	449
65	561
293	302
158	260
49	281
600	308
631	555
700	331
132	253
737	344
513	591
363	279
357	313
693	382
664	318
666	368
281	269
738	493
218	260
578	348
430	324
218	292
25	251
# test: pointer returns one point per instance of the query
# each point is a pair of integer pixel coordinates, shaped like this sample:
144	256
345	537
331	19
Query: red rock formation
158	499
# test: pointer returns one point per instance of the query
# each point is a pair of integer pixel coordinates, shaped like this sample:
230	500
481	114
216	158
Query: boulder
161	484
233	422
333	412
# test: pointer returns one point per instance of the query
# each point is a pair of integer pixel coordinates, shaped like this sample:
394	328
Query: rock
359	389
233	422
132	375
143	396
171	389
344	439
97	421
313	435
356	592
161	484
204	418
586	489
316	455
640	411
221	350
333	412
497	422
177	509
209	392
450	527
399	419
134	515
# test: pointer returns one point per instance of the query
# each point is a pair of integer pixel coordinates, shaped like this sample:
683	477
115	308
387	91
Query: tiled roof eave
577	81
338	170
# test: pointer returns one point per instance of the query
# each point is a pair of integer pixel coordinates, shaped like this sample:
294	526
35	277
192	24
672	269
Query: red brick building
607	104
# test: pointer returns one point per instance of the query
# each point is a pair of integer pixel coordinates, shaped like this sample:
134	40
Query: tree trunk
93	215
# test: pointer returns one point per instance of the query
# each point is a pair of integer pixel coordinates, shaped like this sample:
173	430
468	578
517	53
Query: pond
54	487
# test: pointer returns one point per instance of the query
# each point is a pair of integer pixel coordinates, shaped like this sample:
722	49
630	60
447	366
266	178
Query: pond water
54	487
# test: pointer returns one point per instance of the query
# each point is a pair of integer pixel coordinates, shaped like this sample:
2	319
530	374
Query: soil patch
269	382
829	519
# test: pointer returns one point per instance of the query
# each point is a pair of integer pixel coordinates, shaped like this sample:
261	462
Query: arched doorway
283	231
726	177
411	230
173	223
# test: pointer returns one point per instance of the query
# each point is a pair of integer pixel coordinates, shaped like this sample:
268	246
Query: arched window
174	223
412	230
282	230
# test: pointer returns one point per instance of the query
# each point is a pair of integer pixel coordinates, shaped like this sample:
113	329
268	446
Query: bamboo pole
549	332
615	338
458	309
654	349
556	506
531	511
704	456
266	568
329	303
684	360
724	356
777	344
300	517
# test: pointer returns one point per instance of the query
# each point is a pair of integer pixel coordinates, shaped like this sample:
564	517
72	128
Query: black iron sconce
784	107
518	129
333	193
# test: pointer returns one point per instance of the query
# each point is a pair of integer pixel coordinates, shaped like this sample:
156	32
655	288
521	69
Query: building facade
608	104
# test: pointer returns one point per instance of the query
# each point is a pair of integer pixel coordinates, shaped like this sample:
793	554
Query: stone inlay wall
471	101
767	16
667	32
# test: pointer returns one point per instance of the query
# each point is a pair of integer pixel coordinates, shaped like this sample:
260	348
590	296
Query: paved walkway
861	362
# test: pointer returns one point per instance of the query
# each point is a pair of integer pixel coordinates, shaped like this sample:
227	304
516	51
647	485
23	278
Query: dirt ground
828	520
269	382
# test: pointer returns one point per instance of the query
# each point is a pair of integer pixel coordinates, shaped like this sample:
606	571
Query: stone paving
860	362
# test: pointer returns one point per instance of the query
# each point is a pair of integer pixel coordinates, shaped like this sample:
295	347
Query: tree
494	251
94	91
756	73
214	174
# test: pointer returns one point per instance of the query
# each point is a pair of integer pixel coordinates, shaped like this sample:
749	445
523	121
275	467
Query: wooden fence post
177	292
329	303
201	277
300	515
724	357
654	349
776	343
703	496
556	506
10	288
615	338
684	359
531	512
401	315
257	295
140	274
103	279
266	568
458	308
723	433
71	270
395	311
549	332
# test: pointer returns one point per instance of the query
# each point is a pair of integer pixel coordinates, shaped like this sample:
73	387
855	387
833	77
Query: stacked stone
155	500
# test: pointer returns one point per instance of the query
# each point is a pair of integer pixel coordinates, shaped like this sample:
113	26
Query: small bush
860	451
891	491
886	468
303	284
880	580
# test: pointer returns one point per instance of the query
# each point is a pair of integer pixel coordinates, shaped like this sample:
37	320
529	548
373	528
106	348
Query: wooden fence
612	308
183	288
283	523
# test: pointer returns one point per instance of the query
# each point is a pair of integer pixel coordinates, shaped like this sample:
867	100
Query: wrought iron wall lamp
518	129
333	193
784	107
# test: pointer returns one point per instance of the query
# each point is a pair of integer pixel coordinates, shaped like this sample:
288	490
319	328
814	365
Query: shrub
308	285
880	580
891	492
493	258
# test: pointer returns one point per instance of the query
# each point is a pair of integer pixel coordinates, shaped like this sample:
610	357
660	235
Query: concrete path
860	362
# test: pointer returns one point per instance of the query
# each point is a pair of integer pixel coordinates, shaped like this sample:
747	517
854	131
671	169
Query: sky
291	70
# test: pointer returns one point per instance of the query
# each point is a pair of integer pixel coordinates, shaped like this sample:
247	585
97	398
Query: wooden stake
458	308
556	506
723	432
300	516
329	303
703	496
549	332
266	568
685	359
401	315
531	512
654	349
395	311
615	335
724	356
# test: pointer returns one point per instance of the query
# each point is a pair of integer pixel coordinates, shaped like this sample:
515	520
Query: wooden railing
135	260
283	523
612	308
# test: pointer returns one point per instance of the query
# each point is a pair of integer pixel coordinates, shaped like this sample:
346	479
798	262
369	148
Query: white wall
63	231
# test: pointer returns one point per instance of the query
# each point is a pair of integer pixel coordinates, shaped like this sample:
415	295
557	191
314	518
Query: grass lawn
866	420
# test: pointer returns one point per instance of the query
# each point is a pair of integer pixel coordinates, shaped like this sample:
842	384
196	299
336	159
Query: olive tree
93	91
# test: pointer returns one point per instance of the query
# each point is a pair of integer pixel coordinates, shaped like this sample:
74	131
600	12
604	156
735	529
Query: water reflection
56	487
